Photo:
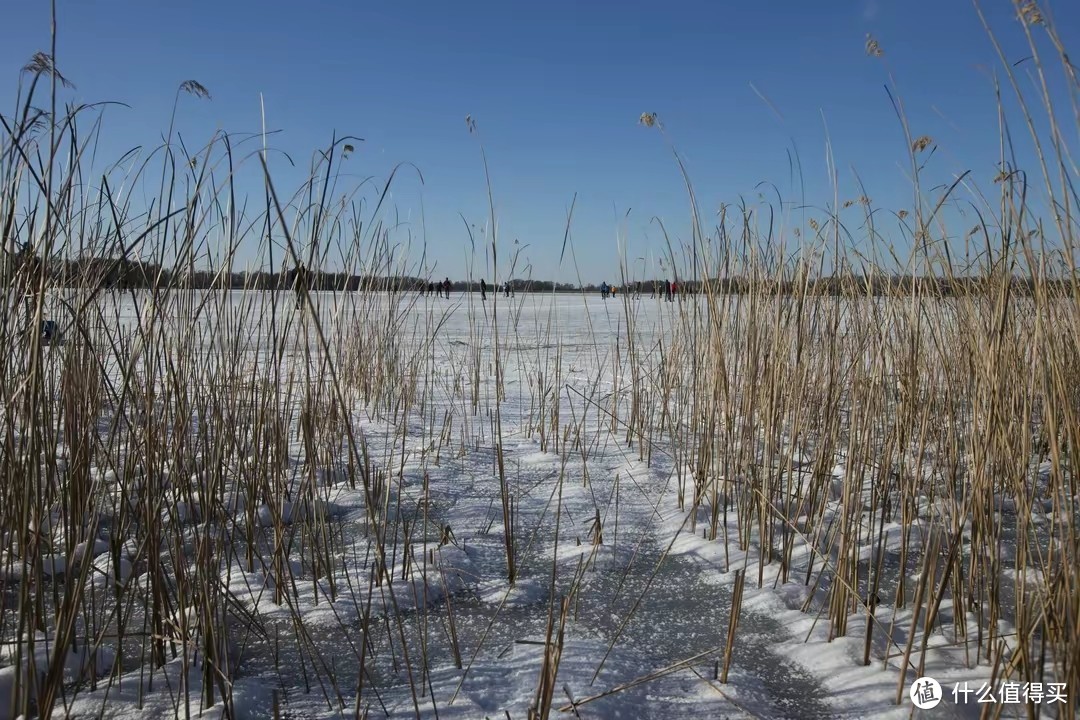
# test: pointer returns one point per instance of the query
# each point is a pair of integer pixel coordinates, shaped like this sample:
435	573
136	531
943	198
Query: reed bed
341	495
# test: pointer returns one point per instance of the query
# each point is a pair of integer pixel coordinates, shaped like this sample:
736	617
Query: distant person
604	290
50	331
613	288
299	280
506	287
653	288
637	289
483	289
446	287
430	288
674	290
668	286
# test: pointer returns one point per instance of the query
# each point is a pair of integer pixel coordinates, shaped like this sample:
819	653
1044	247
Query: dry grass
154	456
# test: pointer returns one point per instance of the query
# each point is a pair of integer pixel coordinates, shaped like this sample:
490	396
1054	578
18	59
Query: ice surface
596	515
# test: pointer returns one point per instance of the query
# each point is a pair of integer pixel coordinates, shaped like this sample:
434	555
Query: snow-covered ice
529	394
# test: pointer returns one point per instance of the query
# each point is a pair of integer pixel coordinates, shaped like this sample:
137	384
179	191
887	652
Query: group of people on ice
666	290
438	289
442	289
506	288
607	290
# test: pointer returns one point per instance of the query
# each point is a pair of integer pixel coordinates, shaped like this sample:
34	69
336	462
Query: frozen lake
327	499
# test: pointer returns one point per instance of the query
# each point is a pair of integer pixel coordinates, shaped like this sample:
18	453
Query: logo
925	693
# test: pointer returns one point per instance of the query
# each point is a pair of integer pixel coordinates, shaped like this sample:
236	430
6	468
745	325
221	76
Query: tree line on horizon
133	274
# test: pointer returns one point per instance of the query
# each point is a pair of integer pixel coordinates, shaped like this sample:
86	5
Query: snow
653	591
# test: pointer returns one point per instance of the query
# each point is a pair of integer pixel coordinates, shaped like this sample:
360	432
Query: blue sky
556	89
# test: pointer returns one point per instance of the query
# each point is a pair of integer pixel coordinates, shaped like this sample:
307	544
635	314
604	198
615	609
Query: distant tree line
843	286
124	274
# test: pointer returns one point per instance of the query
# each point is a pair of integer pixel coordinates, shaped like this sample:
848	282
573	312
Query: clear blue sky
556	88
